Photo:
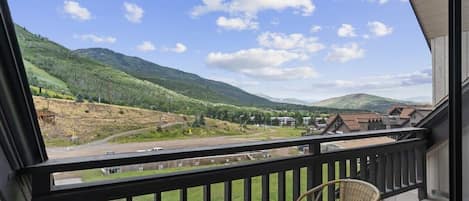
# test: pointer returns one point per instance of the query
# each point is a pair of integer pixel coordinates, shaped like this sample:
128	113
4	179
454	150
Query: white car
157	149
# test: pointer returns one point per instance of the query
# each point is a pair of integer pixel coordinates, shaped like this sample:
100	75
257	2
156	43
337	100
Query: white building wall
439	48
438	155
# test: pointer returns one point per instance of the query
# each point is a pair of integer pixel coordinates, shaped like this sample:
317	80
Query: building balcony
395	168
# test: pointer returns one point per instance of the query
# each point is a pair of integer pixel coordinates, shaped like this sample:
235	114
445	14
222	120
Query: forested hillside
181	82
56	71
362	102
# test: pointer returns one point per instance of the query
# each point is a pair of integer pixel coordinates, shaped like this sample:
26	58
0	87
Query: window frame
20	135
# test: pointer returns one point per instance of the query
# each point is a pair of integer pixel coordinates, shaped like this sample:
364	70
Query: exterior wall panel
440	57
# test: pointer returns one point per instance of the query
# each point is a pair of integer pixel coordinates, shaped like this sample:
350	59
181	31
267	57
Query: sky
303	49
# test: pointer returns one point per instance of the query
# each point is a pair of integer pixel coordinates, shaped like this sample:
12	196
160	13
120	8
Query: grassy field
212	129
50	93
92	121
196	193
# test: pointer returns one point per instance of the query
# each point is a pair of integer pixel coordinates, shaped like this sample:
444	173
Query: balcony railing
393	167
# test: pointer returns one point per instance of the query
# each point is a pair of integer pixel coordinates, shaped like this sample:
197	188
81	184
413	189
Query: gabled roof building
354	122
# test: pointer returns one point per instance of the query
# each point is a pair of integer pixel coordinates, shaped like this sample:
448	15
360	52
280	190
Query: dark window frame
20	135
23	145
455	99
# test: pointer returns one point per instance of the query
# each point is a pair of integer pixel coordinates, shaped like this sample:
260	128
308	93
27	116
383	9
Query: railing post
228	190
314	169
281	186
247	189
41	183
207	192
422	172
266	187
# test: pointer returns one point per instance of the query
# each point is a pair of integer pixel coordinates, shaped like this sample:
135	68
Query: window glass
117	76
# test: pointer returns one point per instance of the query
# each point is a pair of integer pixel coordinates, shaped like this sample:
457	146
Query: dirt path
110	138
103	146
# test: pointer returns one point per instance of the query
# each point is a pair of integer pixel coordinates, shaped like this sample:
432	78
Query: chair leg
422	193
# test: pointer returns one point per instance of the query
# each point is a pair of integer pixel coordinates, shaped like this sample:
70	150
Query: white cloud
179	48
146	46
275	21
380	1
346	30
252	7
345	53
262	63
236	23
379	29
420	77
295	41
96	39
243	13
133	12
209	6
315	28
76	11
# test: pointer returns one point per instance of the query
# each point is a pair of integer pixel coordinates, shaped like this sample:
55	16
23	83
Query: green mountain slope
60	70
361	102
181	82
93	80
40	78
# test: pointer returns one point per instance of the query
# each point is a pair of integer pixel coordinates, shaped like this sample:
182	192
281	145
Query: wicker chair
349	190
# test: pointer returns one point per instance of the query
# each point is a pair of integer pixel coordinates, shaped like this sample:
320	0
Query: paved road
89	150
110	138
103	146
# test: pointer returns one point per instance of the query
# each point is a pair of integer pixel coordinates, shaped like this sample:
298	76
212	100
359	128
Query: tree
275	122
322	121
202	120
79	98
199	121
298	119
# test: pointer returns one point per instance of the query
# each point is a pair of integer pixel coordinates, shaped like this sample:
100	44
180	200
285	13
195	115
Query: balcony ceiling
433	16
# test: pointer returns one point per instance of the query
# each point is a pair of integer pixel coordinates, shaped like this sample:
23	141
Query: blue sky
304	49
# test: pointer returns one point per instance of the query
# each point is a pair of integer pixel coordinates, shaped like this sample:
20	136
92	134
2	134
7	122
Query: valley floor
103	147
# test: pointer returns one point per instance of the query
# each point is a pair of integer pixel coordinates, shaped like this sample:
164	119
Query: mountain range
181	82
286	100
362	102
103	75
111	77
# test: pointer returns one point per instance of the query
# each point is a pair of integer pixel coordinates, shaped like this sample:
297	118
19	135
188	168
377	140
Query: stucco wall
438	156
439	48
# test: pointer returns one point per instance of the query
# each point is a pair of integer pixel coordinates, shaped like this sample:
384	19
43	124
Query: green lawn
196	193
177	132
181	132
50	93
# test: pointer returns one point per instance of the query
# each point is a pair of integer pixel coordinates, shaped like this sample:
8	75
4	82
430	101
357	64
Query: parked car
156	149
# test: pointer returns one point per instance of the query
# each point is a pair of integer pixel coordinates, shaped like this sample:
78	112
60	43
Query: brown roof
390	110
331	119
353	120
406	112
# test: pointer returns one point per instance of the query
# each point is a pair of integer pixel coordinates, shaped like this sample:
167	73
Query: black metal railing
393	167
